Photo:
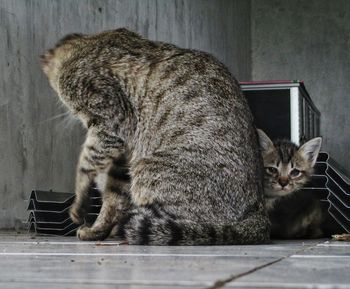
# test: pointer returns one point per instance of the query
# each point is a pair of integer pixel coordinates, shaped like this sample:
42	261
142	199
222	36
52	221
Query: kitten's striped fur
183	130
287	166
287	169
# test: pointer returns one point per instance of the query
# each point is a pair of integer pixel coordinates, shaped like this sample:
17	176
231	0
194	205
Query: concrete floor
63	262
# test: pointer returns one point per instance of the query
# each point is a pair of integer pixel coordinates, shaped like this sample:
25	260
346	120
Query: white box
283	109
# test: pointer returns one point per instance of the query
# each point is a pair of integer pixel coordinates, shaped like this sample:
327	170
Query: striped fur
170	141
287	169
151	225
287	166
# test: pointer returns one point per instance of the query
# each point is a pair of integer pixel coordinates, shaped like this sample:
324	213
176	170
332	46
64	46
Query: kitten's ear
310	150
265	142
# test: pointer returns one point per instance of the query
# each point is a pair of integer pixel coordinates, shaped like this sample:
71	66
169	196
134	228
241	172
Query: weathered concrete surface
64	262
309	40
38	151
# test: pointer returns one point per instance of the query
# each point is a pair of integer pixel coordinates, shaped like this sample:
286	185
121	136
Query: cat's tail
151	226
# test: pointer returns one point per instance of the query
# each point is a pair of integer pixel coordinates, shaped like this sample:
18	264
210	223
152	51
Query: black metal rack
49	212
338	186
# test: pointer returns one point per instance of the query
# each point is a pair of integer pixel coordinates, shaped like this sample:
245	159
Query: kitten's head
287	166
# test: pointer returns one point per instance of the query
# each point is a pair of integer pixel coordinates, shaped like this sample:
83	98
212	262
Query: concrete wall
39	151
309	40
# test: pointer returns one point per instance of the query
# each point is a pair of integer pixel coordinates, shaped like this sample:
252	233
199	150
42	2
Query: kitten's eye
271	170
295	173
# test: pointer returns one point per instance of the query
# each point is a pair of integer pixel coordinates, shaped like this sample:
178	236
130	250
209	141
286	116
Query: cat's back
191	99
193	114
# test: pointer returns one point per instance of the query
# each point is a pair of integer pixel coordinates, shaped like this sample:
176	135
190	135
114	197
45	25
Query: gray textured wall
37	151
309	40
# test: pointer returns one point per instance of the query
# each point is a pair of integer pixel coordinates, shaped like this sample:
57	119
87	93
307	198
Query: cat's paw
77	214
85	233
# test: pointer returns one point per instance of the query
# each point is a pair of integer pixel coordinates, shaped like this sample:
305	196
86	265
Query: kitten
287	169
173	120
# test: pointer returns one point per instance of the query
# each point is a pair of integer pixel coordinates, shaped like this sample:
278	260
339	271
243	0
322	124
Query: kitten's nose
283	181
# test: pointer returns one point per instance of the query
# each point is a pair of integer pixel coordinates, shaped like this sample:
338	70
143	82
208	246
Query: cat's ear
265	142
46	60
310	150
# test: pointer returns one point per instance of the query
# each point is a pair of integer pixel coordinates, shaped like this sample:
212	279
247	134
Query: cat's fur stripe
192	173
142	226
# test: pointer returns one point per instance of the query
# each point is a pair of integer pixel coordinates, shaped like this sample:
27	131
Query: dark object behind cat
176	121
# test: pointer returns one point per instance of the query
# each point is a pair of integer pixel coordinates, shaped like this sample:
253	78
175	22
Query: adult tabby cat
177	122
293	214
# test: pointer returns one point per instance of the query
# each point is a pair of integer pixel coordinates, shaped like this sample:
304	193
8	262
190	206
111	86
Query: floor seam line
223	282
